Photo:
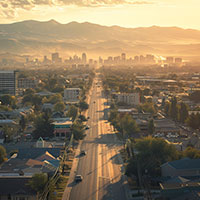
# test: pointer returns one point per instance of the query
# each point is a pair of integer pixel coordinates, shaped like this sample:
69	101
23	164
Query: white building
72	94
8	82
130	99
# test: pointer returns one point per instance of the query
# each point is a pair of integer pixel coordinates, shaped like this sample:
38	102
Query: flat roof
72	89
63	123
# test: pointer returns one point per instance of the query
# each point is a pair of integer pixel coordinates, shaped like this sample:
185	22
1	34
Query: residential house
16	188
184	167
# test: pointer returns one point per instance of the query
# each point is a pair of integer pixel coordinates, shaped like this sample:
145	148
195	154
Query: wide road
101	167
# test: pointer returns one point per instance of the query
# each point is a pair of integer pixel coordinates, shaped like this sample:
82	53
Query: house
62	128
32	153
16	188
184	167
127	98
47	106
44	162
180	191
166	126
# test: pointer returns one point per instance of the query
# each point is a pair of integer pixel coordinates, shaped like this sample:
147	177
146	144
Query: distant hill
32	37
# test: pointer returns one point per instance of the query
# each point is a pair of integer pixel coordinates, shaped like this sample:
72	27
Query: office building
84	58
8	82
128	98
169	60
72	94
55	58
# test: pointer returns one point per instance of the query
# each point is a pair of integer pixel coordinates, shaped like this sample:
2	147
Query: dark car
83	153
87	127
78	178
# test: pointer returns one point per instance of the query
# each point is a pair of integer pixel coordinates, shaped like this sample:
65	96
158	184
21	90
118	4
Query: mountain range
34	37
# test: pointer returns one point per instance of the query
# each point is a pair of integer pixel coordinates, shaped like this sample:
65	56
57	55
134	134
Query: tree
38	182
147	107
78	130
8	133
43	126
22	123
8	100
59	107
112	115
83	106
128	125
55	98
151	154
72	112
2	154
174	109
183	112
167	109
151	127
191	152
193	121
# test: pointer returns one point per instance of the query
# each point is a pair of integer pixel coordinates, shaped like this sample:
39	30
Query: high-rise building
100	60
8	82
169	60
55	58
123	57
84	58
178	60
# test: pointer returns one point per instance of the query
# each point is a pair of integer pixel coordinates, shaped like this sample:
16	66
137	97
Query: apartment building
8	82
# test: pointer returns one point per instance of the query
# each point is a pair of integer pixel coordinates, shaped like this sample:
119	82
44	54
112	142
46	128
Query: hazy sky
127	13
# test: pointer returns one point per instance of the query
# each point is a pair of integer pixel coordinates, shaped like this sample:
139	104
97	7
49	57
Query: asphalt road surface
101	167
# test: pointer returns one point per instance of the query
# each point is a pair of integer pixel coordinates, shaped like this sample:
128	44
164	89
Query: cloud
100	3
10	8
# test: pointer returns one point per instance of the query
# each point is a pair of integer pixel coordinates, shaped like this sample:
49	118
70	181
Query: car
83	153
78	178
87	127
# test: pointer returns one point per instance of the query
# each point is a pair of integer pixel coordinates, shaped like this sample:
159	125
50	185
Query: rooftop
185	163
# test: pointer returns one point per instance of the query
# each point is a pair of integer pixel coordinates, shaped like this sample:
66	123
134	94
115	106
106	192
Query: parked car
87	127
78	178
83	153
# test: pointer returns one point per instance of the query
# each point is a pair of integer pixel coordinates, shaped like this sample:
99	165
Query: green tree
183	112
78	130
59	107
55	98
191	152
112	115
72	112
38	182
43	126
147	107
83	106
8	100
151	154
174	109
8	132
167	109
151	127
193	121
2	154
22	122
128	125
